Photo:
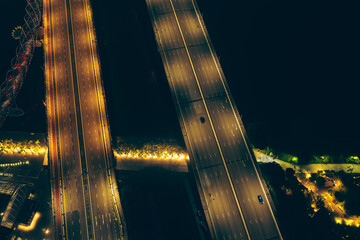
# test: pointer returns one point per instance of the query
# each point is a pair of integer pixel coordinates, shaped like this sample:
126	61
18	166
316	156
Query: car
261	201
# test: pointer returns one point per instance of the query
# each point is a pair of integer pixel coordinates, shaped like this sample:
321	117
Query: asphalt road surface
229	180
85	192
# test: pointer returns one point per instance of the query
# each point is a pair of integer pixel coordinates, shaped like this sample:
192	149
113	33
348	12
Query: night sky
292	67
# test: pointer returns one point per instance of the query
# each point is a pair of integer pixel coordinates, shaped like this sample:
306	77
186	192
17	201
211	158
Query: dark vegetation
319	181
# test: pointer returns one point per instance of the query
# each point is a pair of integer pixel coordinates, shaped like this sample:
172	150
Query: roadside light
348	221
338	220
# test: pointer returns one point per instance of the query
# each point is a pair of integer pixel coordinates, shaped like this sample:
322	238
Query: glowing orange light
31	227
338	220
348	221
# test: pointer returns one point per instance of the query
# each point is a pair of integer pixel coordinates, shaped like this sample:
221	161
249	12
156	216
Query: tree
340	196
274	174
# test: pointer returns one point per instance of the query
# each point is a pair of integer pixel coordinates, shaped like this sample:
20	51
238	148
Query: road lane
211	125
93	136
239	166
183	80
68	142
212	174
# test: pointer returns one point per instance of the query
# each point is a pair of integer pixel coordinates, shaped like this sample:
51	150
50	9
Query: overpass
86	203
228	178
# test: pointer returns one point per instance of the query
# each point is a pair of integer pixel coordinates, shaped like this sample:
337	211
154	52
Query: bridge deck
228	176
82	168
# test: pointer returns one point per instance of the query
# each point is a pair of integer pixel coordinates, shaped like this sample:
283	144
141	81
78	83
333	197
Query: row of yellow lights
163	156
348	221
14	164
24	151
9	148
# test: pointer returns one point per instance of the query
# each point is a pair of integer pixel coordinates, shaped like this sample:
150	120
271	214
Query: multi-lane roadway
227	174
85	198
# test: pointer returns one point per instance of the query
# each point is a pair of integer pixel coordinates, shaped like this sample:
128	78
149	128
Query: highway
86	201
228	178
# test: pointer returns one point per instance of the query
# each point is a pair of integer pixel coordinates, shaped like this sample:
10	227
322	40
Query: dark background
292	67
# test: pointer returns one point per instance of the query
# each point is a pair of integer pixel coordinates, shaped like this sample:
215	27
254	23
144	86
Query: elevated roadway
86	202
225	167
